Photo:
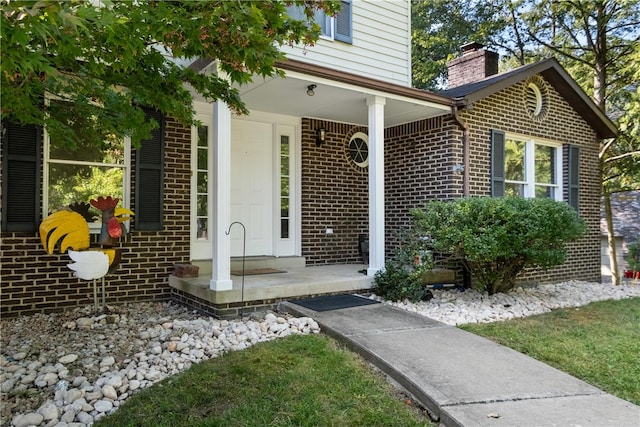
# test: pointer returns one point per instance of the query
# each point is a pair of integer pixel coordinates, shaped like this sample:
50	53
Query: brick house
341	148
531	116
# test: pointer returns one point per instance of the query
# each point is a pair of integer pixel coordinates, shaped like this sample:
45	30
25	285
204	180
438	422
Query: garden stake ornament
70	228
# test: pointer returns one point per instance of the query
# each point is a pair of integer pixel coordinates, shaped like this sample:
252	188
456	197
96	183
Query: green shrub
498	237
633	258
402	277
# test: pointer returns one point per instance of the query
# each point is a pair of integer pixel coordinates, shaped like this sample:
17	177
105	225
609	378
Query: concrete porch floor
294	283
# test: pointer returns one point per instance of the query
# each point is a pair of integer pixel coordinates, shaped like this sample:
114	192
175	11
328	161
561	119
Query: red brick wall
419	160
334	195
419	168
506	111
32	281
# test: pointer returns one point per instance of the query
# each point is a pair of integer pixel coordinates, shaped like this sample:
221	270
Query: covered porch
264	291
323	218
290	112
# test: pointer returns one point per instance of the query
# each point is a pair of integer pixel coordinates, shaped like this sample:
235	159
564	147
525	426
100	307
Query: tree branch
560	51
605	147
622	156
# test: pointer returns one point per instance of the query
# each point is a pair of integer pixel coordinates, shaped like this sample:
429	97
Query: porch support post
375	106
221	195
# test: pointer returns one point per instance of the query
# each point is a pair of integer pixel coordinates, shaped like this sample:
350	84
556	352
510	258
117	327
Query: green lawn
309	380
598	343
301	380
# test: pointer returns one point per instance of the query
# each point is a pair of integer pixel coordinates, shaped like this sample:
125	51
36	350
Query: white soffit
333	100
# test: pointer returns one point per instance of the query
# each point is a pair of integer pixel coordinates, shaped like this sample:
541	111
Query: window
89	171
357	151
202	183
546	179
285	187
70	176
525	167
334	28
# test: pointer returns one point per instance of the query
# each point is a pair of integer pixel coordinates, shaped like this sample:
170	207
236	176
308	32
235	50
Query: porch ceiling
333	101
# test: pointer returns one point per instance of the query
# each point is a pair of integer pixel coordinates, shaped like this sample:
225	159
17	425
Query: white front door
264	186
252	188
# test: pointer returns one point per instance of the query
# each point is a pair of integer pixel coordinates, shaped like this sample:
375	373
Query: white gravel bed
72	368
454	307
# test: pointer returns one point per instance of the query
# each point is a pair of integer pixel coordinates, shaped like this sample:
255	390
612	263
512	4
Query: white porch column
221	195
375	106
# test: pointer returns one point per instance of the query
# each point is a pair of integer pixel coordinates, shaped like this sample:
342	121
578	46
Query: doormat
256	271
334	302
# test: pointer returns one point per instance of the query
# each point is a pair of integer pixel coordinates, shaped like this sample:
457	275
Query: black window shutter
574	177
21	177
497	163
149	199
344	32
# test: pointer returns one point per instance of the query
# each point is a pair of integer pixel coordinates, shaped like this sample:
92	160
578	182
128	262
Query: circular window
535	98
358	150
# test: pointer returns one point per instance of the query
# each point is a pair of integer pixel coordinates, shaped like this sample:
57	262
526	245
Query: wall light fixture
321	135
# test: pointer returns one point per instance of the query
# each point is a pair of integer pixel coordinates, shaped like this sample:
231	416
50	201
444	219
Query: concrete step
254	262
280	263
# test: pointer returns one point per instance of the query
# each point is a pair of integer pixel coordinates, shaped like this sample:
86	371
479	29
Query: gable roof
553	73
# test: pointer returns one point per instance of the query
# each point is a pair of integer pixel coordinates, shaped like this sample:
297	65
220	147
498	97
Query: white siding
381	46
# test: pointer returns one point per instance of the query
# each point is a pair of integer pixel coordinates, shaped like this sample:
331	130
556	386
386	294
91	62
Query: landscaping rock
454	307
97	362
116	360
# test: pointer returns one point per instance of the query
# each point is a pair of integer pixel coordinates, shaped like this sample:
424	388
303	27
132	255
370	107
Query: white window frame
290	246
201	248
126	176
328	27
529	182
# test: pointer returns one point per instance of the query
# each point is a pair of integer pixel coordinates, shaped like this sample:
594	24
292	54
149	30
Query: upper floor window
334	28
526	167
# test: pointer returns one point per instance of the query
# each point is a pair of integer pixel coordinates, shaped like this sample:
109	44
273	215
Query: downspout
466	271
465	150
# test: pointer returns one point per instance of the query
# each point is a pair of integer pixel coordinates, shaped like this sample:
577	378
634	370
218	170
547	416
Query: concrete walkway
466	380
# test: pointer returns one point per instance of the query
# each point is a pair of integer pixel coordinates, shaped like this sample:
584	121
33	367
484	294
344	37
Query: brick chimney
475	64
